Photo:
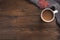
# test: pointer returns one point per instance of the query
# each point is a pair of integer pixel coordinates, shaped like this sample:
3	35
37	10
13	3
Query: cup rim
51	11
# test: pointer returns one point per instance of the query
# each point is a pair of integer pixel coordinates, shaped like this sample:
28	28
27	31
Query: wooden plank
20	20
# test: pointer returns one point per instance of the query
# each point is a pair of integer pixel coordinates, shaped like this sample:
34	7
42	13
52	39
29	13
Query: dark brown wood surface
20	20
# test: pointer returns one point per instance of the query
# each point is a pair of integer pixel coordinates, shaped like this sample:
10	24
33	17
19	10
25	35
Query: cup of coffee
48	15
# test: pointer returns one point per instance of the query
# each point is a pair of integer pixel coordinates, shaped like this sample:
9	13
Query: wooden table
20	20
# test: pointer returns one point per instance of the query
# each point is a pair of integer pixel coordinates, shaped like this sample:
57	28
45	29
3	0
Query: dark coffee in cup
47	15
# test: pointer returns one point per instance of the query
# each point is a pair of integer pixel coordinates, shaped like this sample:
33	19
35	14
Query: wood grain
20	20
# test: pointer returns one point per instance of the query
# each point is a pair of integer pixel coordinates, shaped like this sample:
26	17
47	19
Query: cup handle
56	11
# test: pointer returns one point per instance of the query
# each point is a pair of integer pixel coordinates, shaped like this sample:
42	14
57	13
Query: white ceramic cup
53	12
